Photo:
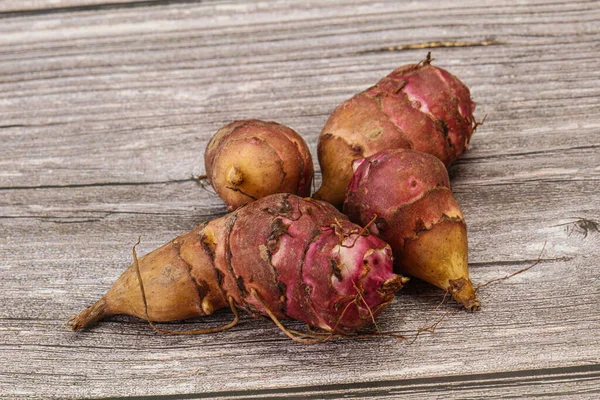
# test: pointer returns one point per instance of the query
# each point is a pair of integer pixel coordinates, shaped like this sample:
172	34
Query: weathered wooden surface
105	109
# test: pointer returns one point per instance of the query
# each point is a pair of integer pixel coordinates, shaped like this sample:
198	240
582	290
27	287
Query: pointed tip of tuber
463	292
89	316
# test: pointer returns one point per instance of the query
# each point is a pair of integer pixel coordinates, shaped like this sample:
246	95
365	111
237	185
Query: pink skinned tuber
406	195
281	256
419	106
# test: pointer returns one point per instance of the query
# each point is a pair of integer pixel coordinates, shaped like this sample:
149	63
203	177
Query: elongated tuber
407	194
418	107
250	159
281	256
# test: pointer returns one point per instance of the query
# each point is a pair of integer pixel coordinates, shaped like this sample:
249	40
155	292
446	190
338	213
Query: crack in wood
466	159
93	7
57	218
434	384
516	262
96	184
517	182
80	221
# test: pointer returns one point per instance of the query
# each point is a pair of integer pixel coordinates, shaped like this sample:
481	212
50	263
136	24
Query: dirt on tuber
419	106
281	256
406	196
250	159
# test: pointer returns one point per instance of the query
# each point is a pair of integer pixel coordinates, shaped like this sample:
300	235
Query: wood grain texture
12	8
105	110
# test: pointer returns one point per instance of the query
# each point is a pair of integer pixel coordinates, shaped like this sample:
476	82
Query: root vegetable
407	194
281	256
250	159
418	107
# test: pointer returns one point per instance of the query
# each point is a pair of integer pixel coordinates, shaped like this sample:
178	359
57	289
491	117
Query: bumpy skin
302	257
418	107
408	195
250	159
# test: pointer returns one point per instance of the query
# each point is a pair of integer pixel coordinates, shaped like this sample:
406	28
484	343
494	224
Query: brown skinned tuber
420	107
250	159
406	196
282	257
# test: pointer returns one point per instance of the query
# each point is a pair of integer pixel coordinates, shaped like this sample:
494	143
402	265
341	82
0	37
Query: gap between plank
96	184
93	7
396	387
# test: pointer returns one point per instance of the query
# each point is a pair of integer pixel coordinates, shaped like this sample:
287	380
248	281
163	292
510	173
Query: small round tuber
406	195
418	107
250	159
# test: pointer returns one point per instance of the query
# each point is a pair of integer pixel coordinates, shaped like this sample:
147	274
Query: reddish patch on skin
443	98
303	264
365	263
417	215
418	107
396	185
411	172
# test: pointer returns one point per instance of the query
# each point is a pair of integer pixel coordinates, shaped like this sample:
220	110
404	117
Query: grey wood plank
12	8
104	115
550	383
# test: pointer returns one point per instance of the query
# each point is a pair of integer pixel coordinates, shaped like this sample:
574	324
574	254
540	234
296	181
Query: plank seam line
482	379
97	184
467	159
93	7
